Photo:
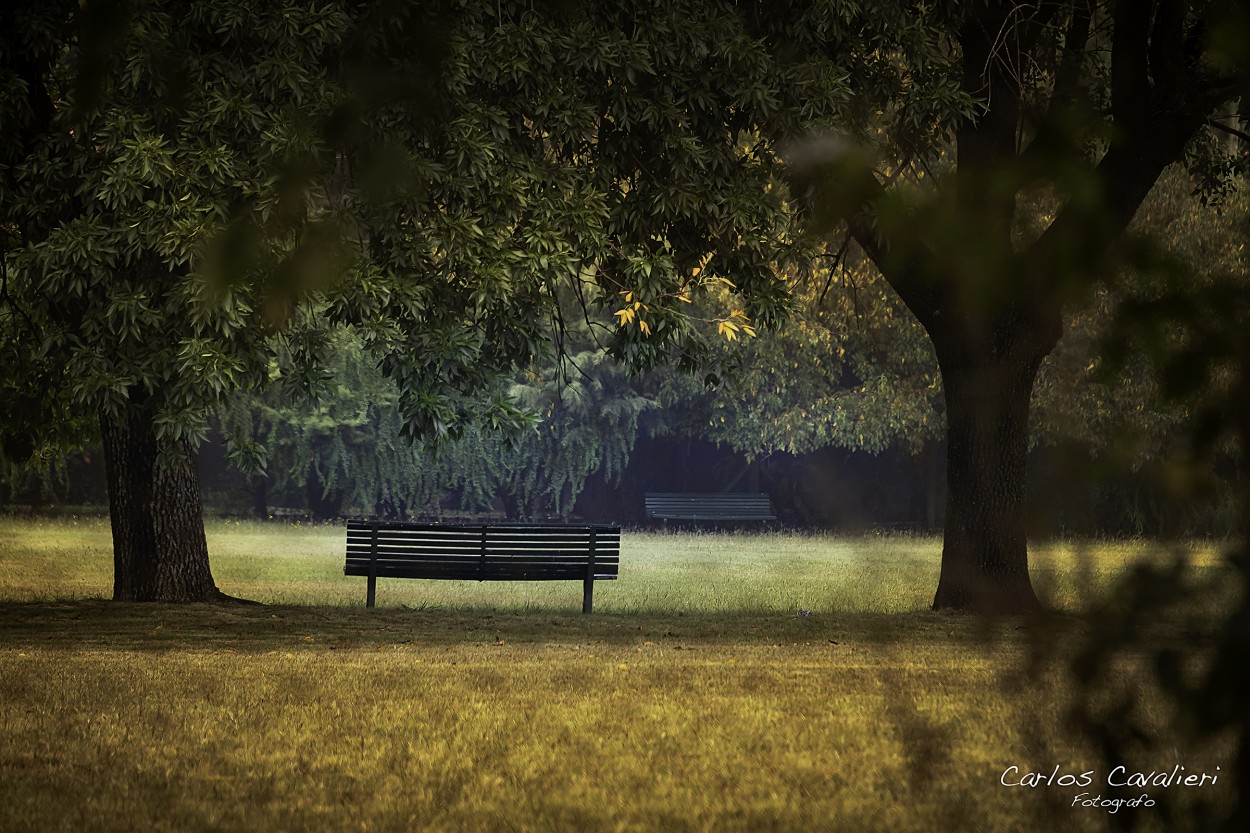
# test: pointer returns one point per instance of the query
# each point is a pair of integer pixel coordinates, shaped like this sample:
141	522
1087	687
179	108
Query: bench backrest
709	506
495	552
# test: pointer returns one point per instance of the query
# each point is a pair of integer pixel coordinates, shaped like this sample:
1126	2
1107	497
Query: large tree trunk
985	565
159	550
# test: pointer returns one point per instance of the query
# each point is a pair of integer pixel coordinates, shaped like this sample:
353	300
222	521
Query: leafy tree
346	447
991	216
850	369
1101	393
853	369
183	180
610	153
157	237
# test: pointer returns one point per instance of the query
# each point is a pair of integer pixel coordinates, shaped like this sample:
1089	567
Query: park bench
483	552
709	506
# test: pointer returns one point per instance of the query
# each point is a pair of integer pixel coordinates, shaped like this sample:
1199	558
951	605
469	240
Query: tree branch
1130	69
905	267
1167	43
1068	74
1232	131
839	260
1051	133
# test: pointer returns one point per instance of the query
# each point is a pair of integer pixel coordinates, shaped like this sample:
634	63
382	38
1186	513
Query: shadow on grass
101	624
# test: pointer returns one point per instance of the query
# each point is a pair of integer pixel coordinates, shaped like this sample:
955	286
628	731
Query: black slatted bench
493	552
709	506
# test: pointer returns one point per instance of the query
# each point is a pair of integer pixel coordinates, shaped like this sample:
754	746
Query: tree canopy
194	188
990	219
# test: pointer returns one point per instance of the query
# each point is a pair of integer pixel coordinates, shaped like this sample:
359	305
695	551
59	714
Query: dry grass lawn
725	683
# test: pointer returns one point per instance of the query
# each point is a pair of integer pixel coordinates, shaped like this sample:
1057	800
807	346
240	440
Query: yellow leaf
642	325
703	261
683	297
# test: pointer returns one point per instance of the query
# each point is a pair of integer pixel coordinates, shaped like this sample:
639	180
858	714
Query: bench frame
527	552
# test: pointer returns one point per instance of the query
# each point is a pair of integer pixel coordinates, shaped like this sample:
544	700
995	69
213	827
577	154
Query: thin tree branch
1067	83
1167	39
6	298
838	260
1230	130
1130	68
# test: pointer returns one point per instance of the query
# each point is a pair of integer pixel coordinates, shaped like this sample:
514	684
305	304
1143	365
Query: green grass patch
724	683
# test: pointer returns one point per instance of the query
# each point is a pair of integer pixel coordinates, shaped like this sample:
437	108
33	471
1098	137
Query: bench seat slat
469	555
510	544
506	543
492	546
433	571
472	570
459	534
475	563
451	529
709	510
489	559
503	552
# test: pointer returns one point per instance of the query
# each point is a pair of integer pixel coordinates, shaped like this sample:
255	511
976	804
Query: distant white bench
710	506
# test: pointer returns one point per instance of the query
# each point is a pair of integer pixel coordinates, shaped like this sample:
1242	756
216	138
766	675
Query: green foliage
158	239
348	441
193	187
851	369
589	152
1100	387
207	176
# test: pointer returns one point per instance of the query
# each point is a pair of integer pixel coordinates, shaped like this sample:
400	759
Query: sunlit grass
725	683
302	564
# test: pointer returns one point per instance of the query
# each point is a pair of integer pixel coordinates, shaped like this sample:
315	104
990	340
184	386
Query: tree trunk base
218	598
987	598
985	560
159	550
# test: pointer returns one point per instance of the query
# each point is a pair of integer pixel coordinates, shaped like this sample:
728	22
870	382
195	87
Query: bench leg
588	595
372	593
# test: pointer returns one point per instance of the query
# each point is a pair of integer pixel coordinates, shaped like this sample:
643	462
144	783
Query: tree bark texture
159	550
985	564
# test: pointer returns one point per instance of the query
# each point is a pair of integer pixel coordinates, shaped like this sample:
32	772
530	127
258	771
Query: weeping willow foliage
347	443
